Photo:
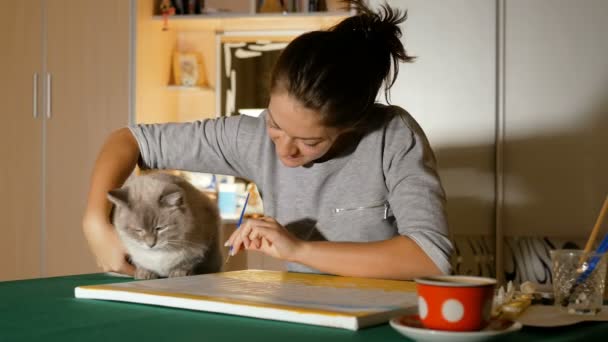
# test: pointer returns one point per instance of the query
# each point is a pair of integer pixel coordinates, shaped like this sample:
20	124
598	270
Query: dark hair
339	71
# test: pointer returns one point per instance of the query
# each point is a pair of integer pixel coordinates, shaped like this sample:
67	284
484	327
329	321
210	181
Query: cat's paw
179	273
142	273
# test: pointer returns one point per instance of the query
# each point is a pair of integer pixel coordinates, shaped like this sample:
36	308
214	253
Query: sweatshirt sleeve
416	195
209	146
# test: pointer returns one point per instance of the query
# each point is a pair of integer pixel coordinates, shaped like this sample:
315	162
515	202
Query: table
45	310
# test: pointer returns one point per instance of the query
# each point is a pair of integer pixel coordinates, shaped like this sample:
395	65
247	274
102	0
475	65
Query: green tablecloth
46	310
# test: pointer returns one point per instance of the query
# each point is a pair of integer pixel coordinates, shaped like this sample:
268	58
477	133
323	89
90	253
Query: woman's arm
396	258
114	164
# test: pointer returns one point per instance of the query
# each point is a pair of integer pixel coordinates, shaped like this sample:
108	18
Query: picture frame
245	63
189	69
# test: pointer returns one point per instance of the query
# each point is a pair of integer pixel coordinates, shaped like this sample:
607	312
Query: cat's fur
168	227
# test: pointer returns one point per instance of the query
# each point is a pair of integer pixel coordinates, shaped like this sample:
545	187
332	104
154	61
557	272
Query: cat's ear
120	197
172	199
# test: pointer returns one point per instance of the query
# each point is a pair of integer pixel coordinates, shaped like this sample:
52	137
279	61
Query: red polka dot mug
455	303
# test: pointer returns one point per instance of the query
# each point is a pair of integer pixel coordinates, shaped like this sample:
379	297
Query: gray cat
169	228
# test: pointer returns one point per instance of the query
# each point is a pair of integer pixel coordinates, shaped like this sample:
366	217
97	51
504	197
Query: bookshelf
157	97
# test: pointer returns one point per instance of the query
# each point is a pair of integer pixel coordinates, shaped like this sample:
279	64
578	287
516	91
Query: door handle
35	96
49	94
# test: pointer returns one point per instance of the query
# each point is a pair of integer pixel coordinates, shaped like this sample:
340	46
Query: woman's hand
108	249
114	164
266	235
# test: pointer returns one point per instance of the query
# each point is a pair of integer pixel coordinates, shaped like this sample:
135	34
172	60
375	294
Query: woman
349	185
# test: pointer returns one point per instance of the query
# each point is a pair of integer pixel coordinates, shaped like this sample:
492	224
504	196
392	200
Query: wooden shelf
189	88
249	22
252	15
158	98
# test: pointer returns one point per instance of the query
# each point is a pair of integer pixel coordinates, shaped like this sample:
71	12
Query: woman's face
296	131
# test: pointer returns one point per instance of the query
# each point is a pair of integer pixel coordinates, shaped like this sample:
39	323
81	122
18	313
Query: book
325	300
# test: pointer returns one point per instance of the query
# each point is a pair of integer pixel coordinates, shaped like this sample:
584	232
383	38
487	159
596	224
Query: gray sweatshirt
386	186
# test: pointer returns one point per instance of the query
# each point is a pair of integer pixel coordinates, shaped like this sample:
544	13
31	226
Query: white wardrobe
513	95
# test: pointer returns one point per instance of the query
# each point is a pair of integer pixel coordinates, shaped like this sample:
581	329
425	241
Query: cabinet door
20	140
88	57
556	118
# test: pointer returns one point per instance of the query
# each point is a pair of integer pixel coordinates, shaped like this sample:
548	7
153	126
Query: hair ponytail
381	31
339	72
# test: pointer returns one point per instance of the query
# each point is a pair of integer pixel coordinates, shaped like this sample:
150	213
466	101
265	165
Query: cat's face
152	218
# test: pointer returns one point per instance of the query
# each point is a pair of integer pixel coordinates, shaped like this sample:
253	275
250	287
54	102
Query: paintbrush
238	224
595	230
592	265
603	247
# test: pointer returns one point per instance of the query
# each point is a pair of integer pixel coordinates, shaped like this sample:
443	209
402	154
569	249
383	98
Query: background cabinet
514	104
66	85
451	91
20	140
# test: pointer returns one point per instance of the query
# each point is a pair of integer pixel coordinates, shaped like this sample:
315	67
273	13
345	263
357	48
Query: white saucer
410	326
